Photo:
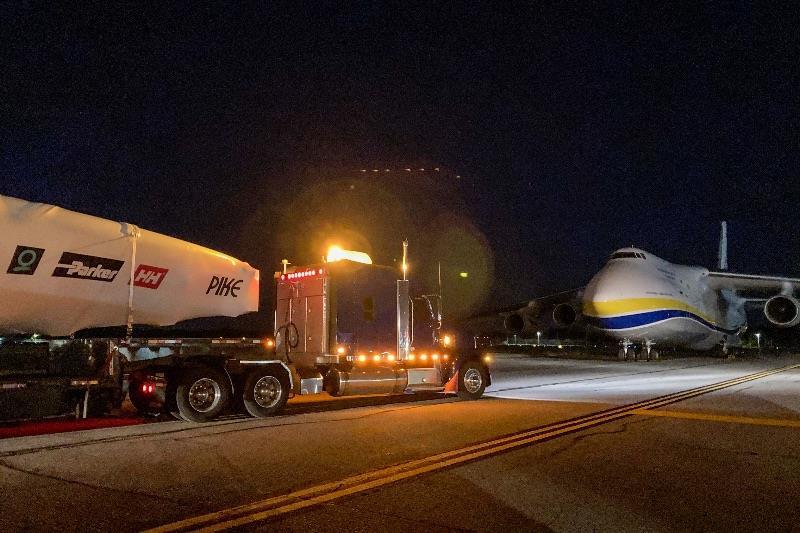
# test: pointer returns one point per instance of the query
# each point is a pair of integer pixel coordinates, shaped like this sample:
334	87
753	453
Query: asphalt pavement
555	444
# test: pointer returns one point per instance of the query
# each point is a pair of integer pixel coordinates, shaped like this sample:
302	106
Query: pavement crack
308	422
576	439
104	440
84	484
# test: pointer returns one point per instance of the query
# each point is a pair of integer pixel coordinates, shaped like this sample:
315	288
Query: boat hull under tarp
63	271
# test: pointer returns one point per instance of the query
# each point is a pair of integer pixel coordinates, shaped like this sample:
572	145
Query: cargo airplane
643	301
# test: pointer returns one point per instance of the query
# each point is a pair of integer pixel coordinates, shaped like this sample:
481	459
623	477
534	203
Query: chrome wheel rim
267	391
204	395
473	380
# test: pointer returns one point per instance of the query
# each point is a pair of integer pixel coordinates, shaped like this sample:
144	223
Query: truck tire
145	404
471	380
202	393
266	391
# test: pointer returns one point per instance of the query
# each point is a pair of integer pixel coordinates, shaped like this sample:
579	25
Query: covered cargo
69	271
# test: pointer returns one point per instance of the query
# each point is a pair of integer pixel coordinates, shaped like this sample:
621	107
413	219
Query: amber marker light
487	358
362	358
341	350
423	357
269	343
435	357
376	357
445	357
411	357
390	357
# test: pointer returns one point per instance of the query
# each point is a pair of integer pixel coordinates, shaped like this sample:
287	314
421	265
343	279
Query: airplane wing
528	316
533	306
752	283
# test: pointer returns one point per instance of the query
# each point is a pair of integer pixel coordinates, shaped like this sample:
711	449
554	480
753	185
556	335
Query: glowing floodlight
336	253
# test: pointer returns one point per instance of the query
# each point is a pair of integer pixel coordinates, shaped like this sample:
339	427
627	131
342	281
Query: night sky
560	134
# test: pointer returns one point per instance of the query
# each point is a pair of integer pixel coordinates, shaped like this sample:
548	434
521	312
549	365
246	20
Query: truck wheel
265	393
202	394
471	380
145	404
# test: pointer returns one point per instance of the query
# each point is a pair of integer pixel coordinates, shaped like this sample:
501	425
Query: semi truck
343	326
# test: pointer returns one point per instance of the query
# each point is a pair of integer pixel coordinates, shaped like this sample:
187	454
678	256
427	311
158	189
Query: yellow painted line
779	422
315	495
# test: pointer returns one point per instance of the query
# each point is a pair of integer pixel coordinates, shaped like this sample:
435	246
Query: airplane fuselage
639	297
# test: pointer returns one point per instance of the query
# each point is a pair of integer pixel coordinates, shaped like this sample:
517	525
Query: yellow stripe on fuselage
630	306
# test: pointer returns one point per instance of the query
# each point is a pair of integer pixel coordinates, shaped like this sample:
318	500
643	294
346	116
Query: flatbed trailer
344	326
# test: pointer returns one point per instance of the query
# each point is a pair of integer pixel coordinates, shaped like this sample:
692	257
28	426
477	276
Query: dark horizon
560	134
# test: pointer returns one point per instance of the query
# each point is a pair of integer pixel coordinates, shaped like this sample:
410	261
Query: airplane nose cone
615	288
601	288
598	297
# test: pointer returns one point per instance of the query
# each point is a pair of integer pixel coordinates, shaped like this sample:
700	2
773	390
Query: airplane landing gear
626	351
652	353
726	351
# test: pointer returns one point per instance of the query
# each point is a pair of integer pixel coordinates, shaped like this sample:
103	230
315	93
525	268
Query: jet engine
564	315
515	323
783	311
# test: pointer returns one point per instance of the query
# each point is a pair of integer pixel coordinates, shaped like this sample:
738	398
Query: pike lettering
224	286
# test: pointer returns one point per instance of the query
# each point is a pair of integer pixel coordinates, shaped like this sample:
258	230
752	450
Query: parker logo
25	260
149	277
81	266
223	286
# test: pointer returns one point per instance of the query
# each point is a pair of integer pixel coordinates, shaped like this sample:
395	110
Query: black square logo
25	260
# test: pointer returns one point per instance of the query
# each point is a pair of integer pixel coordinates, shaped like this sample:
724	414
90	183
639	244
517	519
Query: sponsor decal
81	266
149	277
223	286
25	260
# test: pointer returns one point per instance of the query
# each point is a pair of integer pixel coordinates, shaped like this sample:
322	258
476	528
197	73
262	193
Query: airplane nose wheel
626	352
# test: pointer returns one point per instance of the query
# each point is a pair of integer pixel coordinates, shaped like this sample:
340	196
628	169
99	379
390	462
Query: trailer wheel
202	394
471	380
265	392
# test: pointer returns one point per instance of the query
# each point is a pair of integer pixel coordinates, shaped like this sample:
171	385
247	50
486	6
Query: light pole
758	341
538	338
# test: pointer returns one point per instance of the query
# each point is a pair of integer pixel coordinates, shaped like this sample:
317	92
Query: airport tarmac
563	445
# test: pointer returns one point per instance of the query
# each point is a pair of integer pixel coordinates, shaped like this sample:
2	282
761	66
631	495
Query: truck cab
350	327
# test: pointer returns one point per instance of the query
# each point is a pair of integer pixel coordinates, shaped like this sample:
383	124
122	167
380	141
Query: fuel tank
366	380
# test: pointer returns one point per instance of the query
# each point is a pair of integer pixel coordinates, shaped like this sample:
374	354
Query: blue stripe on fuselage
650	317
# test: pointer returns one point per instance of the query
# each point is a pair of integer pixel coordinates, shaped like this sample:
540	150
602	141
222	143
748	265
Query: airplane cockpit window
627	255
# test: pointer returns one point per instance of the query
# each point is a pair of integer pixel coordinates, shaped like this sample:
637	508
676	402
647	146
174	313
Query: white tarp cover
62	271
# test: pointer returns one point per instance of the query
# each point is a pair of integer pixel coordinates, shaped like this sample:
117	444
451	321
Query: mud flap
452	385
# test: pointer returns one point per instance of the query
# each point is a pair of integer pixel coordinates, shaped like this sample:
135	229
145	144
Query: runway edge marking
325	492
